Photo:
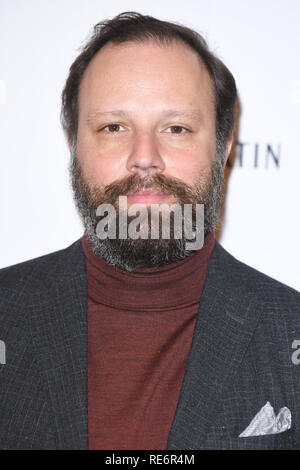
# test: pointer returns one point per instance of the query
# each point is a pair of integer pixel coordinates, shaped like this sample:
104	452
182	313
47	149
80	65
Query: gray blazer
240	358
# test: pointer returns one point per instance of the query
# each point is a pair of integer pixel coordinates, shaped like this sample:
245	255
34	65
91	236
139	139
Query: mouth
146	196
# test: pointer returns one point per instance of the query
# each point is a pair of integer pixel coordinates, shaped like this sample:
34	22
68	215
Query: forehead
149	73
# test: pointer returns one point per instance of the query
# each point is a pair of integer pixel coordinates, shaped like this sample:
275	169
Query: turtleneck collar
172	286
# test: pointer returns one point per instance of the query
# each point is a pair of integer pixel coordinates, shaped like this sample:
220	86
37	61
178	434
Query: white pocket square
265	422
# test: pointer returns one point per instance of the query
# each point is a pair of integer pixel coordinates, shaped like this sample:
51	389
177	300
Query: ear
228	147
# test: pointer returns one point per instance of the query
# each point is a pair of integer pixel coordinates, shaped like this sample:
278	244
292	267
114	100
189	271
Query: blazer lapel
59	329
224	327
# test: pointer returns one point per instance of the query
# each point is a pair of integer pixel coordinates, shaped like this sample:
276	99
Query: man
146	343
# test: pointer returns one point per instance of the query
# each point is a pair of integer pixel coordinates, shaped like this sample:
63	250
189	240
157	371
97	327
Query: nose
145	158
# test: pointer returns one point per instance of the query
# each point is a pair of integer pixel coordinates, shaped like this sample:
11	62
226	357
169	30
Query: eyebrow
192	114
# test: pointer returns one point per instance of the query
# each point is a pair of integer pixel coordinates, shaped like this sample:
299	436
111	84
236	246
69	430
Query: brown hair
132	26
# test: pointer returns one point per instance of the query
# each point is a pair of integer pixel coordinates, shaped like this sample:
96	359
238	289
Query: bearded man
123	341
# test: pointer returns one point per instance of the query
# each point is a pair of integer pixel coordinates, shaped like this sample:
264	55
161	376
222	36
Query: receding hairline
161	42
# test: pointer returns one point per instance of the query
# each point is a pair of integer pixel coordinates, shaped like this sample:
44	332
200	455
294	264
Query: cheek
98	165
189	165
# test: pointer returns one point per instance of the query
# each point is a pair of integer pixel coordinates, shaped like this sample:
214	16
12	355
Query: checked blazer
240	357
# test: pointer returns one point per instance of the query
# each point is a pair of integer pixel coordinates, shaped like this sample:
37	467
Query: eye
112	128
179	130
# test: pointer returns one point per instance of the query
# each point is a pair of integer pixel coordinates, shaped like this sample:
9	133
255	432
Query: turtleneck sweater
140	330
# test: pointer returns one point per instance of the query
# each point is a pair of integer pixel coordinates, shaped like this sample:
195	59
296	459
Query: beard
130	254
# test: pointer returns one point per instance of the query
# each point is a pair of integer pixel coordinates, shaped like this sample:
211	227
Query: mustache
167	185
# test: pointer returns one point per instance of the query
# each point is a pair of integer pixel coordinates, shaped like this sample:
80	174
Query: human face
146	109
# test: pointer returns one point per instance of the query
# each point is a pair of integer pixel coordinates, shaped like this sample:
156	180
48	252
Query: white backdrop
257	39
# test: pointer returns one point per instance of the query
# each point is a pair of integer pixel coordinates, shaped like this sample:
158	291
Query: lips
146	197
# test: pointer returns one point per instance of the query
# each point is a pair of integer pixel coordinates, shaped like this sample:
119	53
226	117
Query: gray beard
130	254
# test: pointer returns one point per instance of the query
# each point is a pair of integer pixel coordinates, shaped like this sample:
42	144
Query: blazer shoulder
239	276
39	272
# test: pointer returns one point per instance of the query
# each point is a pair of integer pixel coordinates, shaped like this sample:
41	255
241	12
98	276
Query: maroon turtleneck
140	328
